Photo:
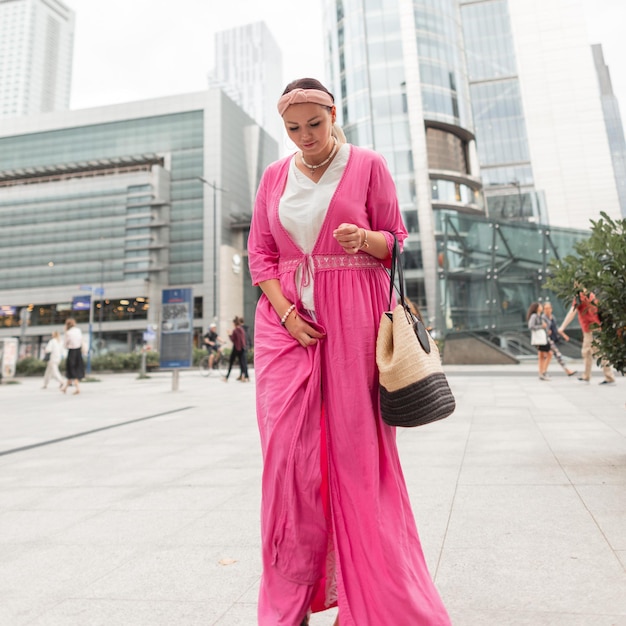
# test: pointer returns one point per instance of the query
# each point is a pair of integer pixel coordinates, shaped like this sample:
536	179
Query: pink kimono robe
337	526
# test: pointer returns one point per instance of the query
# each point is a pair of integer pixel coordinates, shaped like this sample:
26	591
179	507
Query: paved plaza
135	505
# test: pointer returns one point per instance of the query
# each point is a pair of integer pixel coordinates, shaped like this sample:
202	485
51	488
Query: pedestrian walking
243	357
555	336
54	350
238	339
74	364
337	527
585	306
539	338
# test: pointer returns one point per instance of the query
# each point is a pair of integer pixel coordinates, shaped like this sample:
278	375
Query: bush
114	362
598	266
30	366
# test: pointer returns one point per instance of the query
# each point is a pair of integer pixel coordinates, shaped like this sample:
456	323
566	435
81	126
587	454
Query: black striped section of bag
421	402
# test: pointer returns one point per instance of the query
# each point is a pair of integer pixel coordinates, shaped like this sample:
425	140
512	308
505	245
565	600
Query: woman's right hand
301	331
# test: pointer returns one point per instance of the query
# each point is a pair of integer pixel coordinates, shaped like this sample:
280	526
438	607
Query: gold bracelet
365	243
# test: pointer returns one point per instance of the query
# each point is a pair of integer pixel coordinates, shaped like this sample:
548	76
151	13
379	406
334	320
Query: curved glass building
397	69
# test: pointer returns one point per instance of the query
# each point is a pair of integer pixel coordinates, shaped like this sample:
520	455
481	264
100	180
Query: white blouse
73	338
303	207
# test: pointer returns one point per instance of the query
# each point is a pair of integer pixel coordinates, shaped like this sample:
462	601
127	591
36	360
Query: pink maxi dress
336	522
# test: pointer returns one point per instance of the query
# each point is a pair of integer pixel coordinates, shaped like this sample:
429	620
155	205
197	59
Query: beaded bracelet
283	319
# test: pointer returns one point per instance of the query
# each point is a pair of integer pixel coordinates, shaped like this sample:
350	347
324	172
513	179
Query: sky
129	50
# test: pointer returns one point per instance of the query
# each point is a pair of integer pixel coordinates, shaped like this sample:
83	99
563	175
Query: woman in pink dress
337	527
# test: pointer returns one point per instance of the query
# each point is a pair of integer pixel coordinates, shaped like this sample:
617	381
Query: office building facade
128	199
248	67
36	53
613	123
397	70
440	88
543	147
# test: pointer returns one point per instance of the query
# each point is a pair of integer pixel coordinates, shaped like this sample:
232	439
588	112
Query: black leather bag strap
414	320
396	265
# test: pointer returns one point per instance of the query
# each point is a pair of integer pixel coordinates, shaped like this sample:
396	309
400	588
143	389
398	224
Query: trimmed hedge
112	362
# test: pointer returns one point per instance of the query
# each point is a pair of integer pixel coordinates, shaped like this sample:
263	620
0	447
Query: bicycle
220	366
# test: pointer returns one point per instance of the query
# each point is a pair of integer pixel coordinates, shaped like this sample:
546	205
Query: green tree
599	265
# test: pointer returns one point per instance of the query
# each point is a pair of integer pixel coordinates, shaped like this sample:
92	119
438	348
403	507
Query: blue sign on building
176	329
81	303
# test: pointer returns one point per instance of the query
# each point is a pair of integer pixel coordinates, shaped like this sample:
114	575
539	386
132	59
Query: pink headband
302	96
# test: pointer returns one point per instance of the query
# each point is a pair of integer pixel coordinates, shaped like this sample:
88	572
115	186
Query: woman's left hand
349	237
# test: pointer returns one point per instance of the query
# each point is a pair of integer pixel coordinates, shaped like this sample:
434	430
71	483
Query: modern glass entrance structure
491	270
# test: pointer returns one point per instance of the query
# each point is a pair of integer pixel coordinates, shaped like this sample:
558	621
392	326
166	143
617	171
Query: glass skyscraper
614	126
543	146
441	89
397	69
503	148
36	52
249	68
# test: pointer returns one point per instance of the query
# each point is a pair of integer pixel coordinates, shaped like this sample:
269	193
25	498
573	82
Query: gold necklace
330	156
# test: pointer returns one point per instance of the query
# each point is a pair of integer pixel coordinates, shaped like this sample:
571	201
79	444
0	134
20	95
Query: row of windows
88	229
24	278
437	20
61	214
389	105
503	141
104	215
382	24
186	232
521	174
189	161
153	134
59	196
440	101
400	162
447	191
186	253
488	40
106	310
82	252
185	273
500	122
94	270
500	100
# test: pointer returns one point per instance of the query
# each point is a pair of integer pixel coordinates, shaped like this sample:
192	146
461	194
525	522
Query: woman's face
309	126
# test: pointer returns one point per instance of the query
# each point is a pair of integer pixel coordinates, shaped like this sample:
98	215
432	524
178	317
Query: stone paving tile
519	499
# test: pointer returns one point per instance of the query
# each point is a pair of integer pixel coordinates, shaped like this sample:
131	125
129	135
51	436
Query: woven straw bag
413	387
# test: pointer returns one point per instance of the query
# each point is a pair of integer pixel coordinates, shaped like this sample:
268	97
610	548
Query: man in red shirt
585	305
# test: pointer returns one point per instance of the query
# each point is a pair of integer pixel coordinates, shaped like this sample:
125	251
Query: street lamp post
215	188
100	312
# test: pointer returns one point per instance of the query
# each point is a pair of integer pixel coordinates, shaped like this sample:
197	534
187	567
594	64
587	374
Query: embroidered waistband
321	262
